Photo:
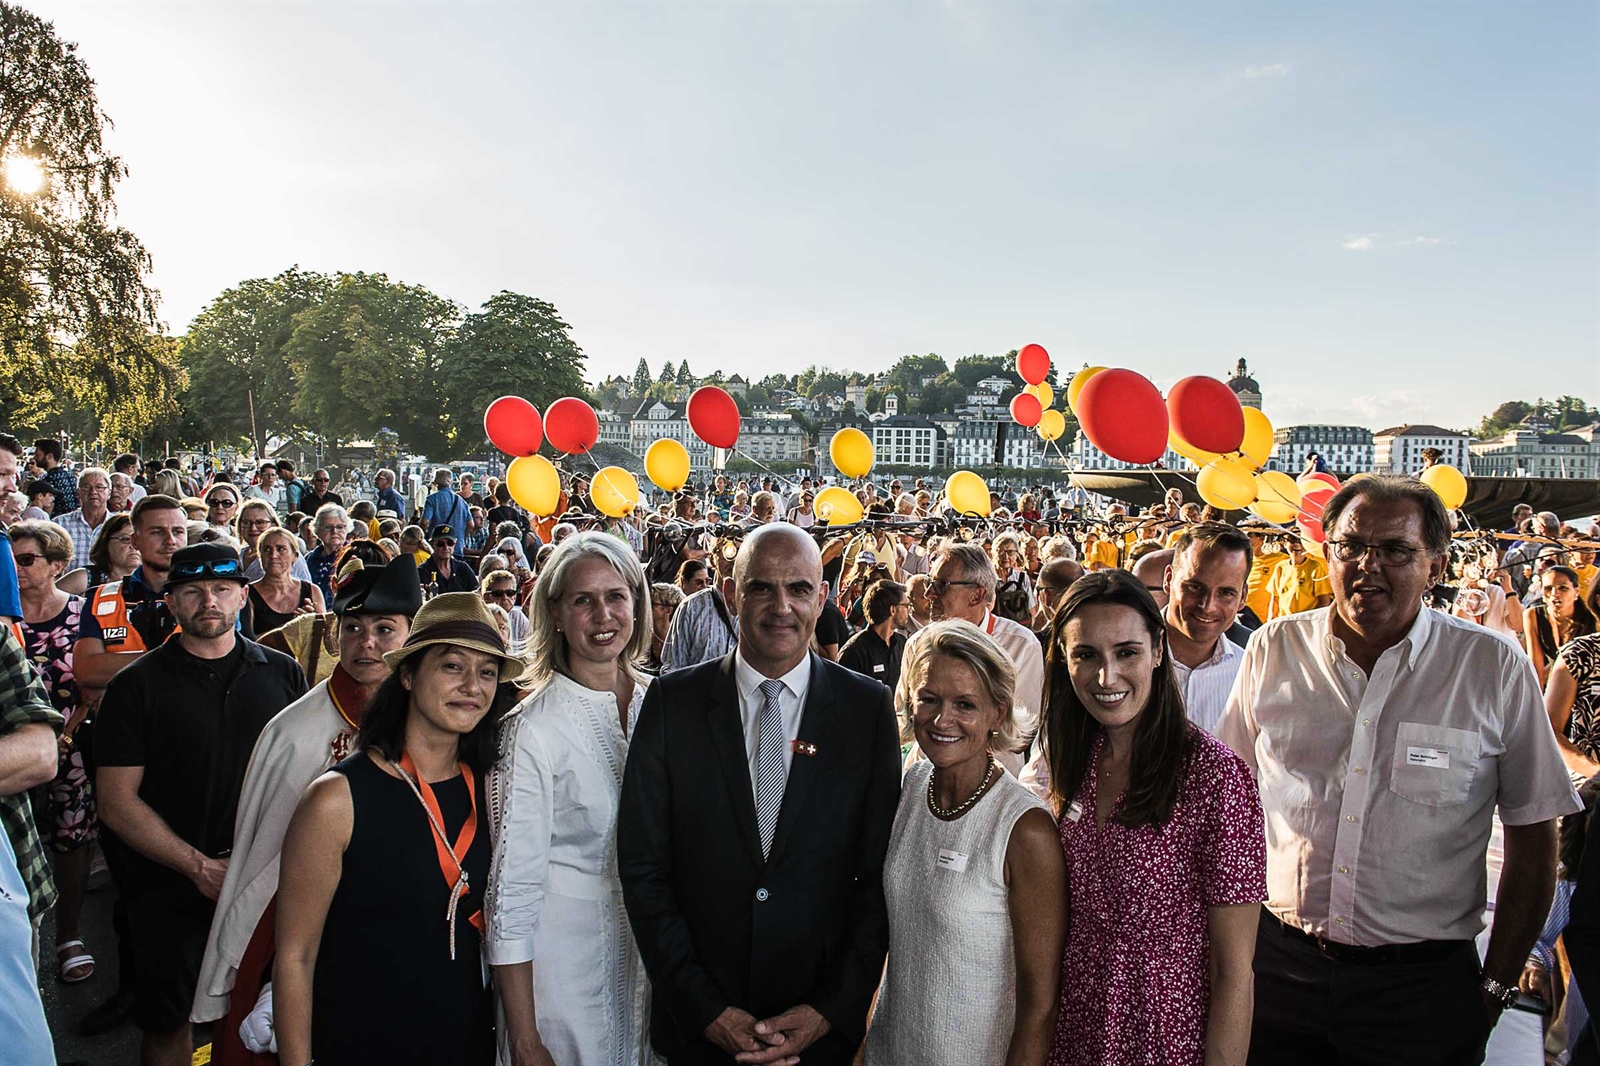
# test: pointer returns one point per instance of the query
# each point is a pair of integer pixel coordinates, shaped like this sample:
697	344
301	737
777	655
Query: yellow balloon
851	451
1075	386
1198	456
1043	392
1277	497
667	463
1227	483
1314	547
837	506
1258	439
615	492
533	482
967	493
1448	483
1051	425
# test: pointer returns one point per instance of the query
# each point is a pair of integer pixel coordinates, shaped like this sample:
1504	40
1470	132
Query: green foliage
971	369
641	378
370	354
236	354
515	345
684	377
773	382
1562	413
818	381
911	369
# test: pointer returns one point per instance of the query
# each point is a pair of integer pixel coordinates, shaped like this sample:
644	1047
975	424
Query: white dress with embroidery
553	897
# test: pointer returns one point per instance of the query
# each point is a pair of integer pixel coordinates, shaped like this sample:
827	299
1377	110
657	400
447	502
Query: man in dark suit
756	808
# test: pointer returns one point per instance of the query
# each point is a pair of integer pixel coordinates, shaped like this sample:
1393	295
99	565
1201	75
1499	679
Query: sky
1391	210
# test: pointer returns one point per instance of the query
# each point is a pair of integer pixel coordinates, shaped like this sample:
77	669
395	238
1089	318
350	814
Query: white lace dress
553	897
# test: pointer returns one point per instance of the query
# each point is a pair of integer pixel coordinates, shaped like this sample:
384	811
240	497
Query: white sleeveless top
949	997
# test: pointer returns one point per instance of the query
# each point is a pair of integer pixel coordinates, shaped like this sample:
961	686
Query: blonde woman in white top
975	877
571	984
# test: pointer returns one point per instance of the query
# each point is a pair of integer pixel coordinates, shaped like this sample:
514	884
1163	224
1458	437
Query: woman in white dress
975	877
571	984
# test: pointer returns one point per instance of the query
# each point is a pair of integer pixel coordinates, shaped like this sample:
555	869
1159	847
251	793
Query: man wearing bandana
374	606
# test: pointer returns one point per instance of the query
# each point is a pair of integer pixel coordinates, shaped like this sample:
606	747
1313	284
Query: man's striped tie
769	763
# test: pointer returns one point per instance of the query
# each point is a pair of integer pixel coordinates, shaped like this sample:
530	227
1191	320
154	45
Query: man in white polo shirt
1205	585
1384	735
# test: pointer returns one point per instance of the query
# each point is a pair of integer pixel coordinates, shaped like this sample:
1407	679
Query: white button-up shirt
1379	791
1206	687
791	704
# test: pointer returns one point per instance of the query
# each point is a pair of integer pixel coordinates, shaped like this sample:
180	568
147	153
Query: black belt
1386	955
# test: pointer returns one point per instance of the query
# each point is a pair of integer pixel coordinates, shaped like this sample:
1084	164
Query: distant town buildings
1345	450
1398	449
1532	450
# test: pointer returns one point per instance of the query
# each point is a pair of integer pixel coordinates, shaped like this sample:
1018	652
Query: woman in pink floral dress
1164	840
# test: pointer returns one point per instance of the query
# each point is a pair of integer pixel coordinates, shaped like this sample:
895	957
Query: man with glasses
876	651
1384	736
1055	577
83	524
320	494
388	499
963	588
500	590
173	738
443	572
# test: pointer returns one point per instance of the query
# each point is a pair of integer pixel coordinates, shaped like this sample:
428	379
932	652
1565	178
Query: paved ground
65	1005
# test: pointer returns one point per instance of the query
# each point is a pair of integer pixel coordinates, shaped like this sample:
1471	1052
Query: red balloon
1206	413
1026	409
514	426
1124	416
1033	363
1309	482
571	425
1310	516
714	416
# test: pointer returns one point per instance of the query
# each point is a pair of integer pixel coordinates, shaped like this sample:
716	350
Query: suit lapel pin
804	747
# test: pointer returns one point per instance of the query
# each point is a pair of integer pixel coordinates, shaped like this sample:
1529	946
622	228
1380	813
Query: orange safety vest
111	611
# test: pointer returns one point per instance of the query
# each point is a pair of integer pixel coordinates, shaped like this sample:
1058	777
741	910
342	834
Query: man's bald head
777	538
1151	572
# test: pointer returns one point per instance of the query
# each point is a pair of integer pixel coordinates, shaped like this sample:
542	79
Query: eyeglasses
27	559
939	588
319	480
210	568
222	501
125	539
1391	554
499	594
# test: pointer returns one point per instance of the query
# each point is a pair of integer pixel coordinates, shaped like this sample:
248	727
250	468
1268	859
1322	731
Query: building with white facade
656	420
1346	450
773	440
614	429
1085	456
909	441
1531	450
856	392
1398	449
987	442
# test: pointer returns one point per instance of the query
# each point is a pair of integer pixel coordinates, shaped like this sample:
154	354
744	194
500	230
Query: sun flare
24	175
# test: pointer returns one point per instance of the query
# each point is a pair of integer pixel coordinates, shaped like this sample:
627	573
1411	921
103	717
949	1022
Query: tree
641	378
911	369
236	354
819	381
684	377
67	271
370	354
971	369
515	345
773	382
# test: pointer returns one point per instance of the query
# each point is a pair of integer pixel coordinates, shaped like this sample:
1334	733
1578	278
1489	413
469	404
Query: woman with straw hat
384	865
558	934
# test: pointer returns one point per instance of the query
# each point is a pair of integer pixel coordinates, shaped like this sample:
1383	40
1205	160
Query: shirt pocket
1434	764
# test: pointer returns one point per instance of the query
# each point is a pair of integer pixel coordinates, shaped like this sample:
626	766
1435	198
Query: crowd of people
718	782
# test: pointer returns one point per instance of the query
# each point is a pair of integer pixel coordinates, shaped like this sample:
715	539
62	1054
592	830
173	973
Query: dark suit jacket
716	925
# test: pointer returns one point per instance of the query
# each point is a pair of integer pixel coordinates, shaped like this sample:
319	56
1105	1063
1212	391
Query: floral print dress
1135	984
72	805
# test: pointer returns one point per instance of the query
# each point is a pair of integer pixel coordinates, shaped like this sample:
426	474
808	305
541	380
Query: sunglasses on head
210	568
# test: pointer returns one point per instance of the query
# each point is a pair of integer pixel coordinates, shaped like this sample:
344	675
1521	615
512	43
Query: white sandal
83	962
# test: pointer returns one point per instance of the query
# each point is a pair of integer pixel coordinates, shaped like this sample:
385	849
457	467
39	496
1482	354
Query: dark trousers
1313	1011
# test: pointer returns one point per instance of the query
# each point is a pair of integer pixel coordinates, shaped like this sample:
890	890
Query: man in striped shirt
1206	585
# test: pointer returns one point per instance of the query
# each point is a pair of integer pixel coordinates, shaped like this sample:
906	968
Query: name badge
1074	811
954	861
877	668
1428	757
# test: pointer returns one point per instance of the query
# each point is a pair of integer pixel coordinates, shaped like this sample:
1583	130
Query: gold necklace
956	811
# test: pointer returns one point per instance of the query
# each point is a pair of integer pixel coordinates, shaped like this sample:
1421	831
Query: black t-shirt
507	513
461	578
831	626
191	723
867	654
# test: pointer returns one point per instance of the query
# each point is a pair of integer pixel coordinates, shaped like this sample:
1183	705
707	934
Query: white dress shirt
791	704
1206	687
1018	641
1379	792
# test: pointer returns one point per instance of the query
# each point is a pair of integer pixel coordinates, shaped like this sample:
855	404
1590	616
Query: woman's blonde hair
276	531
965	643
547	647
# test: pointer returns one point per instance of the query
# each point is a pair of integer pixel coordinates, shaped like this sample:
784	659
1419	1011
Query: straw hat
462	619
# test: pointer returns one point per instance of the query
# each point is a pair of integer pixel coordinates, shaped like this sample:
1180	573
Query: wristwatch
1507	995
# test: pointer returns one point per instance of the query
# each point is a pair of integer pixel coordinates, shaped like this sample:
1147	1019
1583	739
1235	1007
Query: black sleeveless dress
386	991
265	619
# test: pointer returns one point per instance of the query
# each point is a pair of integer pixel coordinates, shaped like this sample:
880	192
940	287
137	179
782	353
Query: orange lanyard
449	856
